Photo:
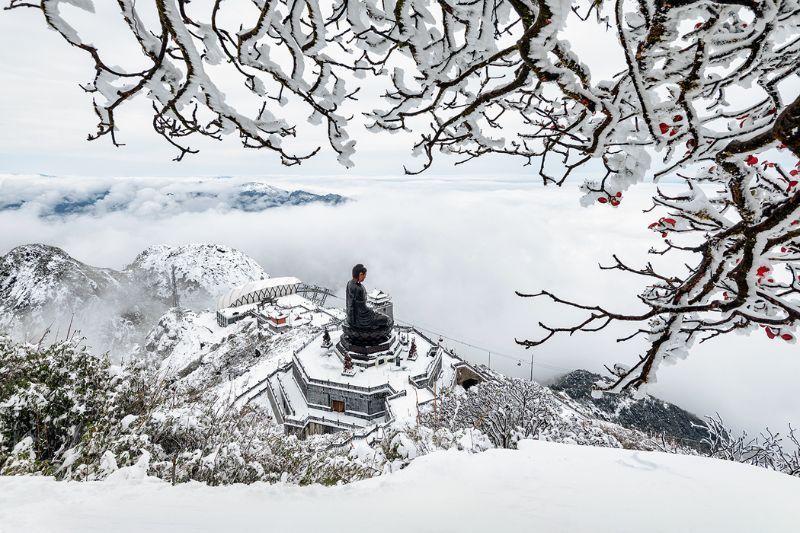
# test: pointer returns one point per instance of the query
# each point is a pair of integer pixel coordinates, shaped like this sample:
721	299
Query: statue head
359	272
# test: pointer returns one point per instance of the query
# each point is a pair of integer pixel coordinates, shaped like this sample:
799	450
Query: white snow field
543	487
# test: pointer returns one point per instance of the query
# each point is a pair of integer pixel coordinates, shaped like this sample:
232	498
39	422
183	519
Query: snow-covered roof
377	294
230	312
258	290
295	300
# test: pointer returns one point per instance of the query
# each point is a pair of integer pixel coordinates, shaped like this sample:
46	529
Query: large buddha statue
364	326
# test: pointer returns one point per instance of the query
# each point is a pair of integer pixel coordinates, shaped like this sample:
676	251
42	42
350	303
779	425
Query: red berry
787	337
664	127
762	270
698	25
792	183
770	333
670	221
751	160
794	172
664	234
614	202
677	118
602	199
619	195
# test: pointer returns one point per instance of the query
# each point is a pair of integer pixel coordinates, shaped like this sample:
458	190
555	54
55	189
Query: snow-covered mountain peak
35	275
42	287
202	271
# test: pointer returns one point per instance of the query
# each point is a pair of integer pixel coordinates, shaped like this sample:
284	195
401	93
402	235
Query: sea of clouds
55	197
451	252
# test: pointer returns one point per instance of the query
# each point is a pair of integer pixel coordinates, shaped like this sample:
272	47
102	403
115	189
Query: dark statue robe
359	316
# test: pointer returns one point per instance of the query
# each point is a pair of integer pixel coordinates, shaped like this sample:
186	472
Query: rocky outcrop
650	415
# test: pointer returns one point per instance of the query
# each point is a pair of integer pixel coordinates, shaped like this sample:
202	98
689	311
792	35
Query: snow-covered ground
543	487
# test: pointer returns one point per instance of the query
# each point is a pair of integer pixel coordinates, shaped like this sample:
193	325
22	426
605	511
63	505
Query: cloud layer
50	197
452	253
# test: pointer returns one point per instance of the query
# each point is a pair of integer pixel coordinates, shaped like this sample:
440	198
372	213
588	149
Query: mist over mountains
55	198
44	289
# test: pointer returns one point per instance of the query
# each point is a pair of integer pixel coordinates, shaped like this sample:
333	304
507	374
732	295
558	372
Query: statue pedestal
367	356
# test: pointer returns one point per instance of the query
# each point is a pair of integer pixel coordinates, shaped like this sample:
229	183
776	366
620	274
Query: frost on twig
705	95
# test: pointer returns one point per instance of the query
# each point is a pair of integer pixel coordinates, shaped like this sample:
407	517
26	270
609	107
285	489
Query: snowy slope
543	487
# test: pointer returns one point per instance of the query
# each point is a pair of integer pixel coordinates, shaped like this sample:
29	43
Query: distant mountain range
51	197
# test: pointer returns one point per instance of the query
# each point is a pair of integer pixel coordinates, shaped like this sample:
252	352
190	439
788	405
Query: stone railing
285	396
430	374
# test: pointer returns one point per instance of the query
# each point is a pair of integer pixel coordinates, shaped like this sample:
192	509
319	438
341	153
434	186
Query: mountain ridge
42	288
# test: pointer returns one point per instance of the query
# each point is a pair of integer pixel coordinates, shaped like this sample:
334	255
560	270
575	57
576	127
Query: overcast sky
451	246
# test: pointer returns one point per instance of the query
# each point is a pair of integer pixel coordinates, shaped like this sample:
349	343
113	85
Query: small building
381	302
229	315
278	319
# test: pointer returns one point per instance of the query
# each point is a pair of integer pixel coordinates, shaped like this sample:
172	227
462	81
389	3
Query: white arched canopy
258	291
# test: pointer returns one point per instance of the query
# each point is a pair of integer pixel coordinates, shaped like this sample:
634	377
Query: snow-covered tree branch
708	94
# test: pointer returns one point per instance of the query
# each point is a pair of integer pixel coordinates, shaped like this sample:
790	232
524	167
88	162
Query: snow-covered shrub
241	445
189	435
504	409
49	396
767	450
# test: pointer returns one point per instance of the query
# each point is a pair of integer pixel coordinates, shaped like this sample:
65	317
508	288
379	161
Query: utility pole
175	300
531	367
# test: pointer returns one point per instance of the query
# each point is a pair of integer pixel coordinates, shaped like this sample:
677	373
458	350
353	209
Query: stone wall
373	405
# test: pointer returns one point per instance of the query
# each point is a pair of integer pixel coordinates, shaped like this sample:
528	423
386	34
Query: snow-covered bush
187	434
767	450
507	410
67	413
49	397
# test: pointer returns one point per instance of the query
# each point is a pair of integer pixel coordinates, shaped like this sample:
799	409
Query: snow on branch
705	94
185	44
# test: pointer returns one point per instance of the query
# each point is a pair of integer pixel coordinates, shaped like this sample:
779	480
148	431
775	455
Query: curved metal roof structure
258	291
